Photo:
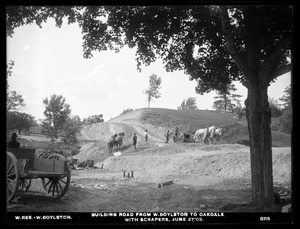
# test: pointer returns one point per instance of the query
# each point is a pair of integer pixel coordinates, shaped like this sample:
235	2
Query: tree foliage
212	44
226	100
188	104
14	101
71	128
276	111
284	123
19	121
239	111
152	91
126	111
15	120
57	111
9	68
94	119
287	98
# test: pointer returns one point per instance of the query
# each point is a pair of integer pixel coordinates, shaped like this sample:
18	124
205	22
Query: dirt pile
192	158
226	161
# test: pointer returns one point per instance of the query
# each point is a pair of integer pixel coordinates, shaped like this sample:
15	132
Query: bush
239	134
284	123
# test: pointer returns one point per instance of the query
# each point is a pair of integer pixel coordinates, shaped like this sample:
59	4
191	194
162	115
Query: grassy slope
190	121
186	120
238	133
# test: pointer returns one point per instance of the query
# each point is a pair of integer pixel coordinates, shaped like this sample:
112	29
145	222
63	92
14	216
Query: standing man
134	139
175	135
13	143
167	136
146	135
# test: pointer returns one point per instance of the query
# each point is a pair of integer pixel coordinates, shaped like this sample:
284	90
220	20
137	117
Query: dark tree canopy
212	44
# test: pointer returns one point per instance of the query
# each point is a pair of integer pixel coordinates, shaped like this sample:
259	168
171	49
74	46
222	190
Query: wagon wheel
24	184
12	176
56	156
57	187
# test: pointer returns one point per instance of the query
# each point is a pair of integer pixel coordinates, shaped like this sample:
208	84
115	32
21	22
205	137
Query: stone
202	206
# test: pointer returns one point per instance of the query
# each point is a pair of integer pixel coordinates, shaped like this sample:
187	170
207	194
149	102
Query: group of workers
134	139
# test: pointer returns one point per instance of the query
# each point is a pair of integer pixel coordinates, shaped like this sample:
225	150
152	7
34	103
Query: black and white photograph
149	114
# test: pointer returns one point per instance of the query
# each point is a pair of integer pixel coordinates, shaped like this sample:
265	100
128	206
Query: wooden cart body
23	165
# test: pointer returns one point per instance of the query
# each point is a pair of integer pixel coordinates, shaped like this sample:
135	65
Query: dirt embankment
227	161
204	179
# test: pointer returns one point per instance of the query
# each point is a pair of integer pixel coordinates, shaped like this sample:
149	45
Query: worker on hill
176	133
134	140
167	136
146	135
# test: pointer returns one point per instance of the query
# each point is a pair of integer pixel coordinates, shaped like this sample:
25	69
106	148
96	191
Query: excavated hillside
94	137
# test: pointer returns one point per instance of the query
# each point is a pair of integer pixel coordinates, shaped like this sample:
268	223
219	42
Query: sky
50	61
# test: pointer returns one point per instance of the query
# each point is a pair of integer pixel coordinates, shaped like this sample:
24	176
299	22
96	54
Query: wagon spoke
9	162
62	181
56	187
10	169
58	191
53	190
50	187
47	183
24	184
60	185
21	185
11	175
11	183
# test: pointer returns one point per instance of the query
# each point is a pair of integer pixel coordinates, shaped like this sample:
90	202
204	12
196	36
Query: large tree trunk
259	120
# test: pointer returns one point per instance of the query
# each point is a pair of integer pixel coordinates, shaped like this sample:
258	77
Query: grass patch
187	120
238	134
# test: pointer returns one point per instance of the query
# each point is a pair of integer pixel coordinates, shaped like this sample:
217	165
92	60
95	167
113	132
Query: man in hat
167	136
13	143
134	140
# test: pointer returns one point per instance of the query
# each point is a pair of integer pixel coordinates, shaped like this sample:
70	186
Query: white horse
200	135
214	133
211	133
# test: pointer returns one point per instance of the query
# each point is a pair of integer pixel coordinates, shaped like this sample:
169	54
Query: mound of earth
174	161
94	137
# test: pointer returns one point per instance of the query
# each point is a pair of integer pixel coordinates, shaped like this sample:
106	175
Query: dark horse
115	141
111	144
119	140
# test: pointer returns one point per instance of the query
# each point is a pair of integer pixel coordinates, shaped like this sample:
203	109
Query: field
205	178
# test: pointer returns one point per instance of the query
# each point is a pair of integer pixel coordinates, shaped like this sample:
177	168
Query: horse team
211	134
115	141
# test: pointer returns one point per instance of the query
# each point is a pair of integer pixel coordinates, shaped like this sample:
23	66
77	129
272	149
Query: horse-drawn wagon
22	165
